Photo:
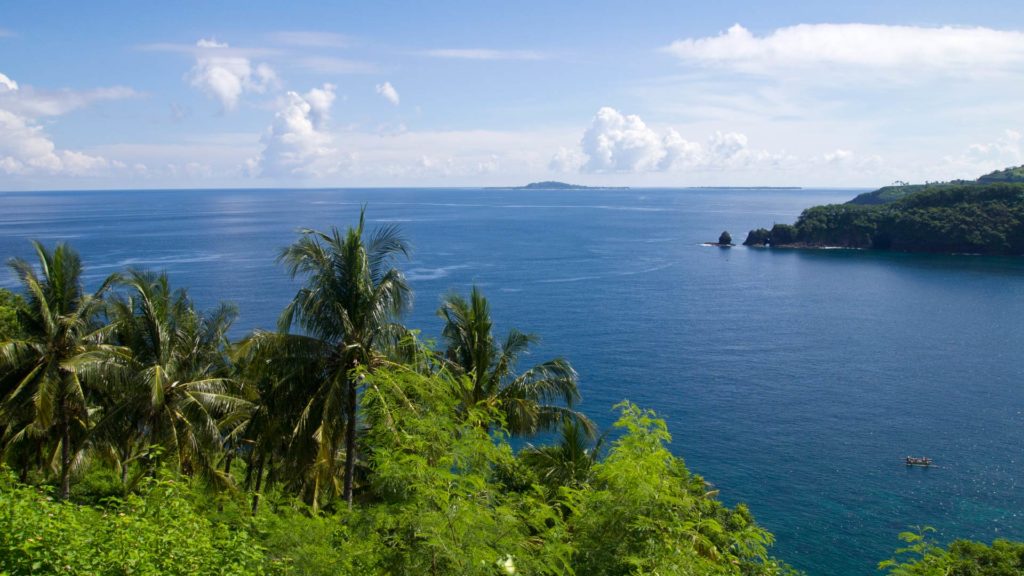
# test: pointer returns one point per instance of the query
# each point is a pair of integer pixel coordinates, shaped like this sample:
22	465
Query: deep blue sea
795	381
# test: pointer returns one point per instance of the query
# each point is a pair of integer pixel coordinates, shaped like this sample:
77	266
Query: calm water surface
795	381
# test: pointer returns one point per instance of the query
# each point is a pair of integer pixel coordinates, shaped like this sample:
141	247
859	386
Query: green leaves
156	532
525	399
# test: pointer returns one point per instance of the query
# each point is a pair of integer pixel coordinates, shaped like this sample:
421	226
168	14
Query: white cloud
388	92
680	153
911	48
982	157
31	102
484	54
6	84
1005	150
618	143
838	156
25	147
296	144
567	160
226	76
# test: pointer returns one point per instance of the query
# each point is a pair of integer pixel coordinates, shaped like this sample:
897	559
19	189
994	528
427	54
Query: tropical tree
347	311
10	303
525	399
568	463
175	389
55	356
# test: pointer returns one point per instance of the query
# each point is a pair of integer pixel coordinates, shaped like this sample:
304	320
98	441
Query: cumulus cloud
567	160
6	84
388	92
225	75
857	45
296	143
620	143
25	148
616	142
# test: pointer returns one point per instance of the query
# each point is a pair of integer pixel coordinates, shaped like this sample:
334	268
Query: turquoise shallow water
794	380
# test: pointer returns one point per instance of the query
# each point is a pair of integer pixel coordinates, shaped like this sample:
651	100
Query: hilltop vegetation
135	438
985	216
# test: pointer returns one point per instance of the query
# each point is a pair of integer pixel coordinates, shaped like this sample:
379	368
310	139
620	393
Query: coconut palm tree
57	357
525	398
175	389
346	310
568	463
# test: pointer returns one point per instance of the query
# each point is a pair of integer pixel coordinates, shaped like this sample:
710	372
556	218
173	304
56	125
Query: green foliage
725	238
10	303
156	532
48	375
527	399
783	234
758	237
664	519
1004	175
922	557
144	400
441	509
958	217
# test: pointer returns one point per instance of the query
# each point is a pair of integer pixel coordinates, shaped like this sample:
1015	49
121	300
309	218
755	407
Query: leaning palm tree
347	311
55	356
526	398
175	389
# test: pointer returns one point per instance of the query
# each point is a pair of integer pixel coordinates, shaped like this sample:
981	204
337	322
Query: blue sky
253	94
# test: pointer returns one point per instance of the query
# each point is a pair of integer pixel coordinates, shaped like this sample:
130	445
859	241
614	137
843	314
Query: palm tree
55	356
175	389
568	463
346	309
525	399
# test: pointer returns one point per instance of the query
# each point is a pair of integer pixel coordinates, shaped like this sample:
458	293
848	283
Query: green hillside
985	216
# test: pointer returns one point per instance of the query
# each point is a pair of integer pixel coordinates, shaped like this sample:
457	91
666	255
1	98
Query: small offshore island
555	185
983	216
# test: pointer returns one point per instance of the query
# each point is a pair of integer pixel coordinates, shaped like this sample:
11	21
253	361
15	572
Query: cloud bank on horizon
807	104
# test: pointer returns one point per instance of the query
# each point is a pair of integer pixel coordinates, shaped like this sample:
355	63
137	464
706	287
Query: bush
156	532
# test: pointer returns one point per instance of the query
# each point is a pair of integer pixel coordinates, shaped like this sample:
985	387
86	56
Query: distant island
983	216
553	185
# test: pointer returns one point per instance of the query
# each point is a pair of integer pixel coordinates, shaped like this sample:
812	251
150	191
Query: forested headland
983	216
137	438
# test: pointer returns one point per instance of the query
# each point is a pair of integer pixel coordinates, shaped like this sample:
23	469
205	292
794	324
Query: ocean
793	380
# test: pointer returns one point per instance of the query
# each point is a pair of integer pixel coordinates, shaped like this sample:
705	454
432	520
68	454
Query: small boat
918	461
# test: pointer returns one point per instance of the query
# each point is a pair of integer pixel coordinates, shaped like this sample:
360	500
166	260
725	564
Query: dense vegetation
137	439
921	557
981	217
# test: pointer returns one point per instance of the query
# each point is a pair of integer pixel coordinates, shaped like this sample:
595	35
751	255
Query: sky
140	95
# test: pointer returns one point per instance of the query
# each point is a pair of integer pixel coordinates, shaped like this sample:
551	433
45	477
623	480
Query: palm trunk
350	443
256	491
124	471
65	456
